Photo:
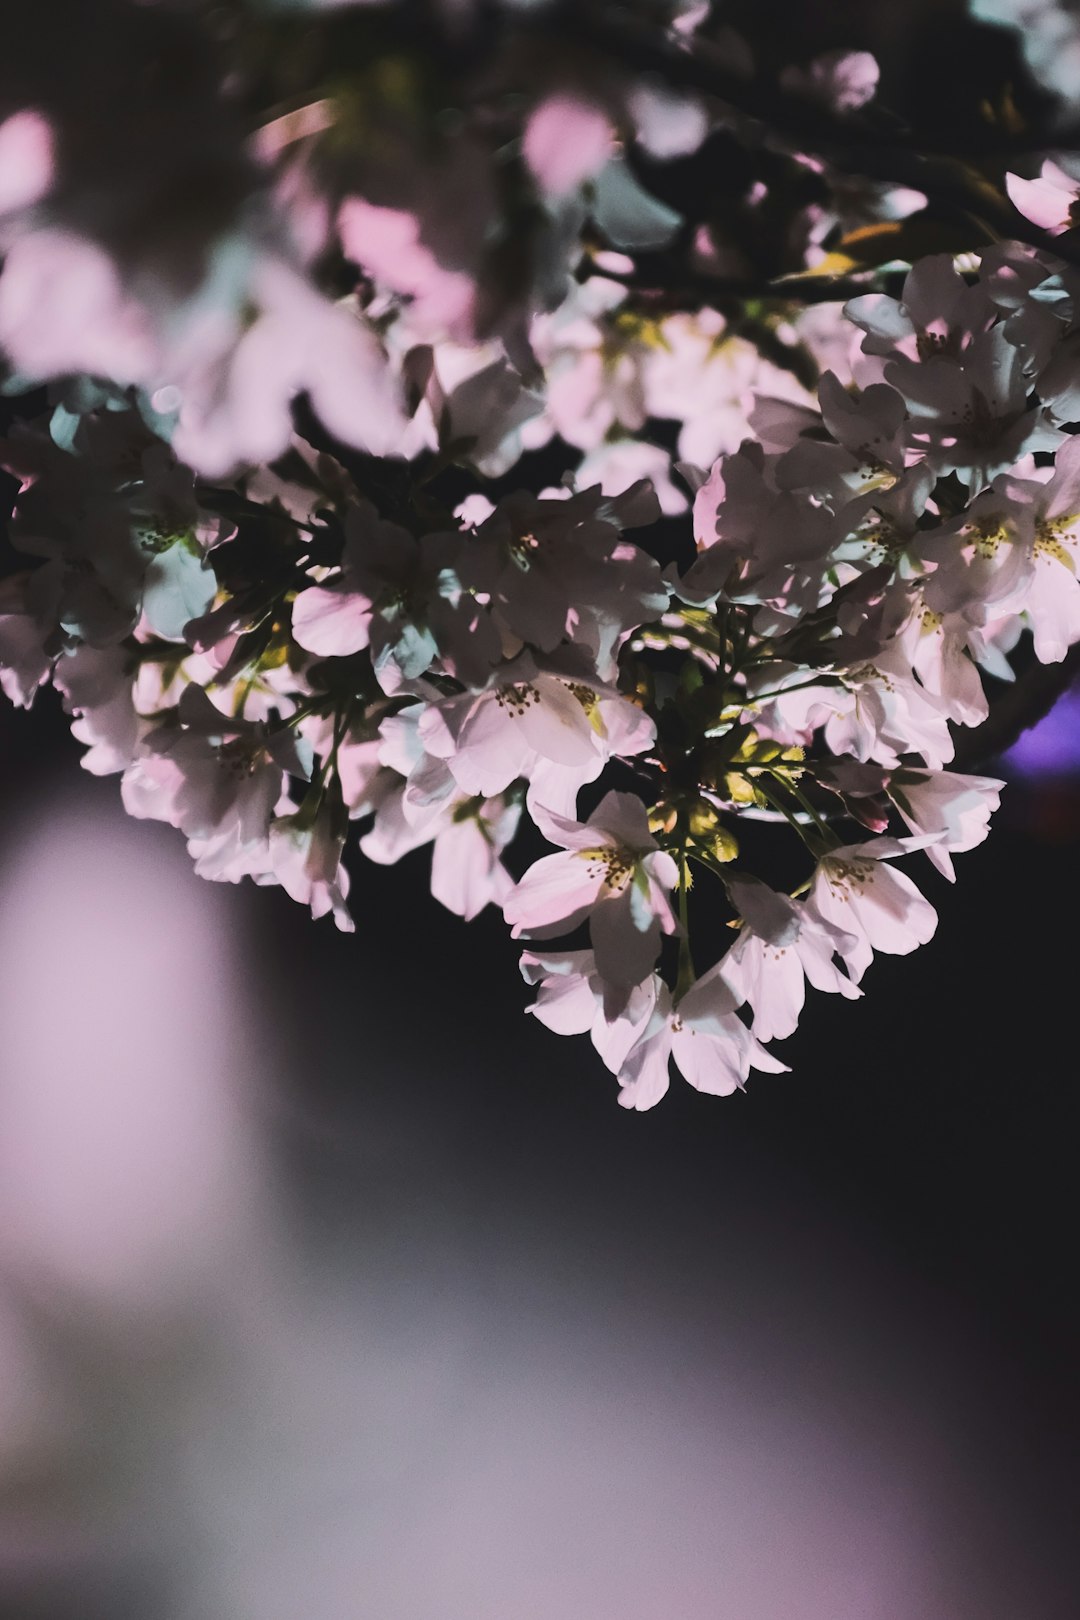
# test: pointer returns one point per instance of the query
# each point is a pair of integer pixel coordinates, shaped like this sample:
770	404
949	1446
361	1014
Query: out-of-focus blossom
386	241
27	161
567	140
843	80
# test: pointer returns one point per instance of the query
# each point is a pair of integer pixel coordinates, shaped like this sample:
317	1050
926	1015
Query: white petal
566	1006
557	890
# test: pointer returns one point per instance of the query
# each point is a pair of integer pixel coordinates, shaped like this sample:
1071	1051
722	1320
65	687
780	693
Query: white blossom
612	873
701	1031
879	909
780	947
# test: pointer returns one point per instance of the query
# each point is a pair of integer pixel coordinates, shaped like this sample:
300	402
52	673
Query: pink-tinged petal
1044	203
554	964
625	821
709	1000
566	831
772	916
1053	606
662	869
650	890
898	917
150	787
555	788
849	79
63	309
430	782
1063	491
880	907
614	1038
668	124
351	387
466	875
771	979
627	730
815	954
934	292
406	736
885	849
956	807
392	835
645	1077
331	621
557	890
625	953
492	748
565	1005
648	899
934	390
566	141
248	417
26	160
25	663
358	765
1055	175
884	321
707	503
942	860
717	1064
306	342
872	420
830	907
552	721
763	1060
386	241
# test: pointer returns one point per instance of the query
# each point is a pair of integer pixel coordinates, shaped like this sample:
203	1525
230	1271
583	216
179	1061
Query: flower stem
686	962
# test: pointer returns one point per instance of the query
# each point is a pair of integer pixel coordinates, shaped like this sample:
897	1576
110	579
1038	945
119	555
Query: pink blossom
1047	201
304	856
781	945
571	1001
879	909
711	1046
613	873
954	809
529	718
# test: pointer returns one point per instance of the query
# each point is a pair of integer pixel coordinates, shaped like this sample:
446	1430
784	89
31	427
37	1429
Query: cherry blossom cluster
429	503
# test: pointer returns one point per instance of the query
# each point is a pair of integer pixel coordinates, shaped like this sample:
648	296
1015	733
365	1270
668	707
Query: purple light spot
1052	747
